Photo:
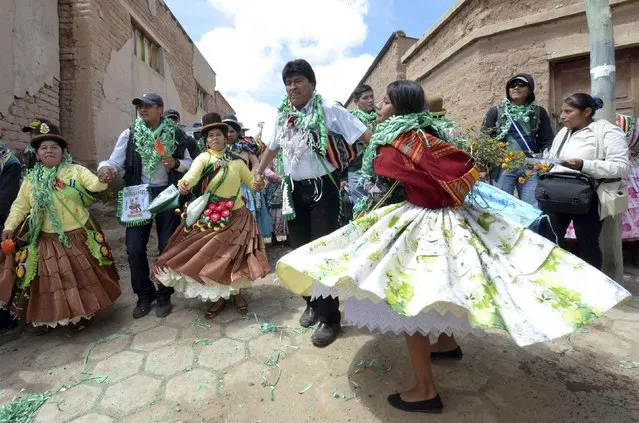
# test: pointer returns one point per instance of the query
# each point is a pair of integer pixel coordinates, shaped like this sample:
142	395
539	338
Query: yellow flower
521	179
529	173
504	166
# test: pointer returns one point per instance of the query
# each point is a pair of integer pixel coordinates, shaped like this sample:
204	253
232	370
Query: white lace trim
379	317
64	322
190	288
349	290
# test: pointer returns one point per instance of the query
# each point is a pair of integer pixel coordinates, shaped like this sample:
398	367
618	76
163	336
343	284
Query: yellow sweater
238	173
21	207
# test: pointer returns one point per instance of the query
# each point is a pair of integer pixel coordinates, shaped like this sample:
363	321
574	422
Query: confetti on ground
198	323
265	383
338	395
274	358
267	328
372	364
629	364
582	330
305	389
204	341
21	410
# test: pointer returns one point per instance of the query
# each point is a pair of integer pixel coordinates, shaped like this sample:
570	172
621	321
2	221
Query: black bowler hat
46	131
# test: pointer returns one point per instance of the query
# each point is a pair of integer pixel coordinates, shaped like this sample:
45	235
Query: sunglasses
517	84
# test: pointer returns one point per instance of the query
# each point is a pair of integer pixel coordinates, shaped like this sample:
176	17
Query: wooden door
574	76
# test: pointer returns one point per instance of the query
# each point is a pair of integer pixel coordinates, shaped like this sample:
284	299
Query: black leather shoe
309	317
325	334
142	308
455	354
433	405
163	308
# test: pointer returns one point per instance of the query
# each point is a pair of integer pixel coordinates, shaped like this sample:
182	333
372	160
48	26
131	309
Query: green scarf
311	122
387	132
5	155
367	119
144	139
44	180
516	113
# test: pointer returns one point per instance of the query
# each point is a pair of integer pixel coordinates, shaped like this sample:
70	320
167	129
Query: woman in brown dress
218	249
62	271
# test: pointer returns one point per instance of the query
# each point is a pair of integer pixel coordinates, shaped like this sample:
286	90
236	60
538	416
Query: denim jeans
508	182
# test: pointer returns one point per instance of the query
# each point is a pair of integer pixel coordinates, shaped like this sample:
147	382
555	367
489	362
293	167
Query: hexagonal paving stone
265	308
168	360
93	418
183	318
108	347
157	413
72	402
266	345
131	394
200	329
120	366
154	338
143	324
197	387
222	354
243	329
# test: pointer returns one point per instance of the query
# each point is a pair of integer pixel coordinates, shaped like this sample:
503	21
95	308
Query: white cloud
249	55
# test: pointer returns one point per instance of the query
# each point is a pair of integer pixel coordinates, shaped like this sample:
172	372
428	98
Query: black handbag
565	192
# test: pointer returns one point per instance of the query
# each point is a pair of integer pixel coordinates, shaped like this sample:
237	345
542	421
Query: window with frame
147	50
202	102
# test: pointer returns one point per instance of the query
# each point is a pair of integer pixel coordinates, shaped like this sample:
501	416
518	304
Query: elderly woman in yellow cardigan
65	273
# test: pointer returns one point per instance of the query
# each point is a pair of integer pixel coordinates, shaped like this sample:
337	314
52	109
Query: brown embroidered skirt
70	284
212	265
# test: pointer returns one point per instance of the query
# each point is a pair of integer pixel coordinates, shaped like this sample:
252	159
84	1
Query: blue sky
340	40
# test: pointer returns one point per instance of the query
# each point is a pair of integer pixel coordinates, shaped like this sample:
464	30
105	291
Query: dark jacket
9	187
541	134
133	161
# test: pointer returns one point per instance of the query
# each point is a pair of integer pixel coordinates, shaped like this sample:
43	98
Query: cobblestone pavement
184	368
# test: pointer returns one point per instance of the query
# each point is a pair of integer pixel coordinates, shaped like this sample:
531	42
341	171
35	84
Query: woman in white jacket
599	150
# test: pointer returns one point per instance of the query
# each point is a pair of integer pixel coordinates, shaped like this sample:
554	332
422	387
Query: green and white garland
144	139
306	124
511	112
367	119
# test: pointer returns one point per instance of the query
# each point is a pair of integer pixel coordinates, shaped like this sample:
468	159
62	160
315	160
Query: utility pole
602	85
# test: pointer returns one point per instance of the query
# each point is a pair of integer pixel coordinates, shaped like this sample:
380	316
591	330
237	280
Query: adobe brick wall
473	79
99	73
43	104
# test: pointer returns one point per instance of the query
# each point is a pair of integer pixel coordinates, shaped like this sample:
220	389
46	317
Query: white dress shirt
582	144
159	178
338	120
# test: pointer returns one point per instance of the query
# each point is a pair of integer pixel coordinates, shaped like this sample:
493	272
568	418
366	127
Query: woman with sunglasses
525	126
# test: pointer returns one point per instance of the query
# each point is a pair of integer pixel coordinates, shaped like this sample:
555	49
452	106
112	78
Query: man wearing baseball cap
174	115
145	160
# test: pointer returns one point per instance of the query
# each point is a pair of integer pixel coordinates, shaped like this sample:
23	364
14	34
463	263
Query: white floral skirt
404	268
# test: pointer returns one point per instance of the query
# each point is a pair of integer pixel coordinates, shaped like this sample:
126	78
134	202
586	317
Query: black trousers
137	239
587	230
316	203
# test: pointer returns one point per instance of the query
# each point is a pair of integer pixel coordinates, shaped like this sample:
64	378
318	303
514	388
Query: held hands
106	174
7	235
575	164
183	187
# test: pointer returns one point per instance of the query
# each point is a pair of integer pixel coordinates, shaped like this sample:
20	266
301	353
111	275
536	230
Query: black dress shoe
142	308
433	405
309	317
325	334
455	354
163	308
